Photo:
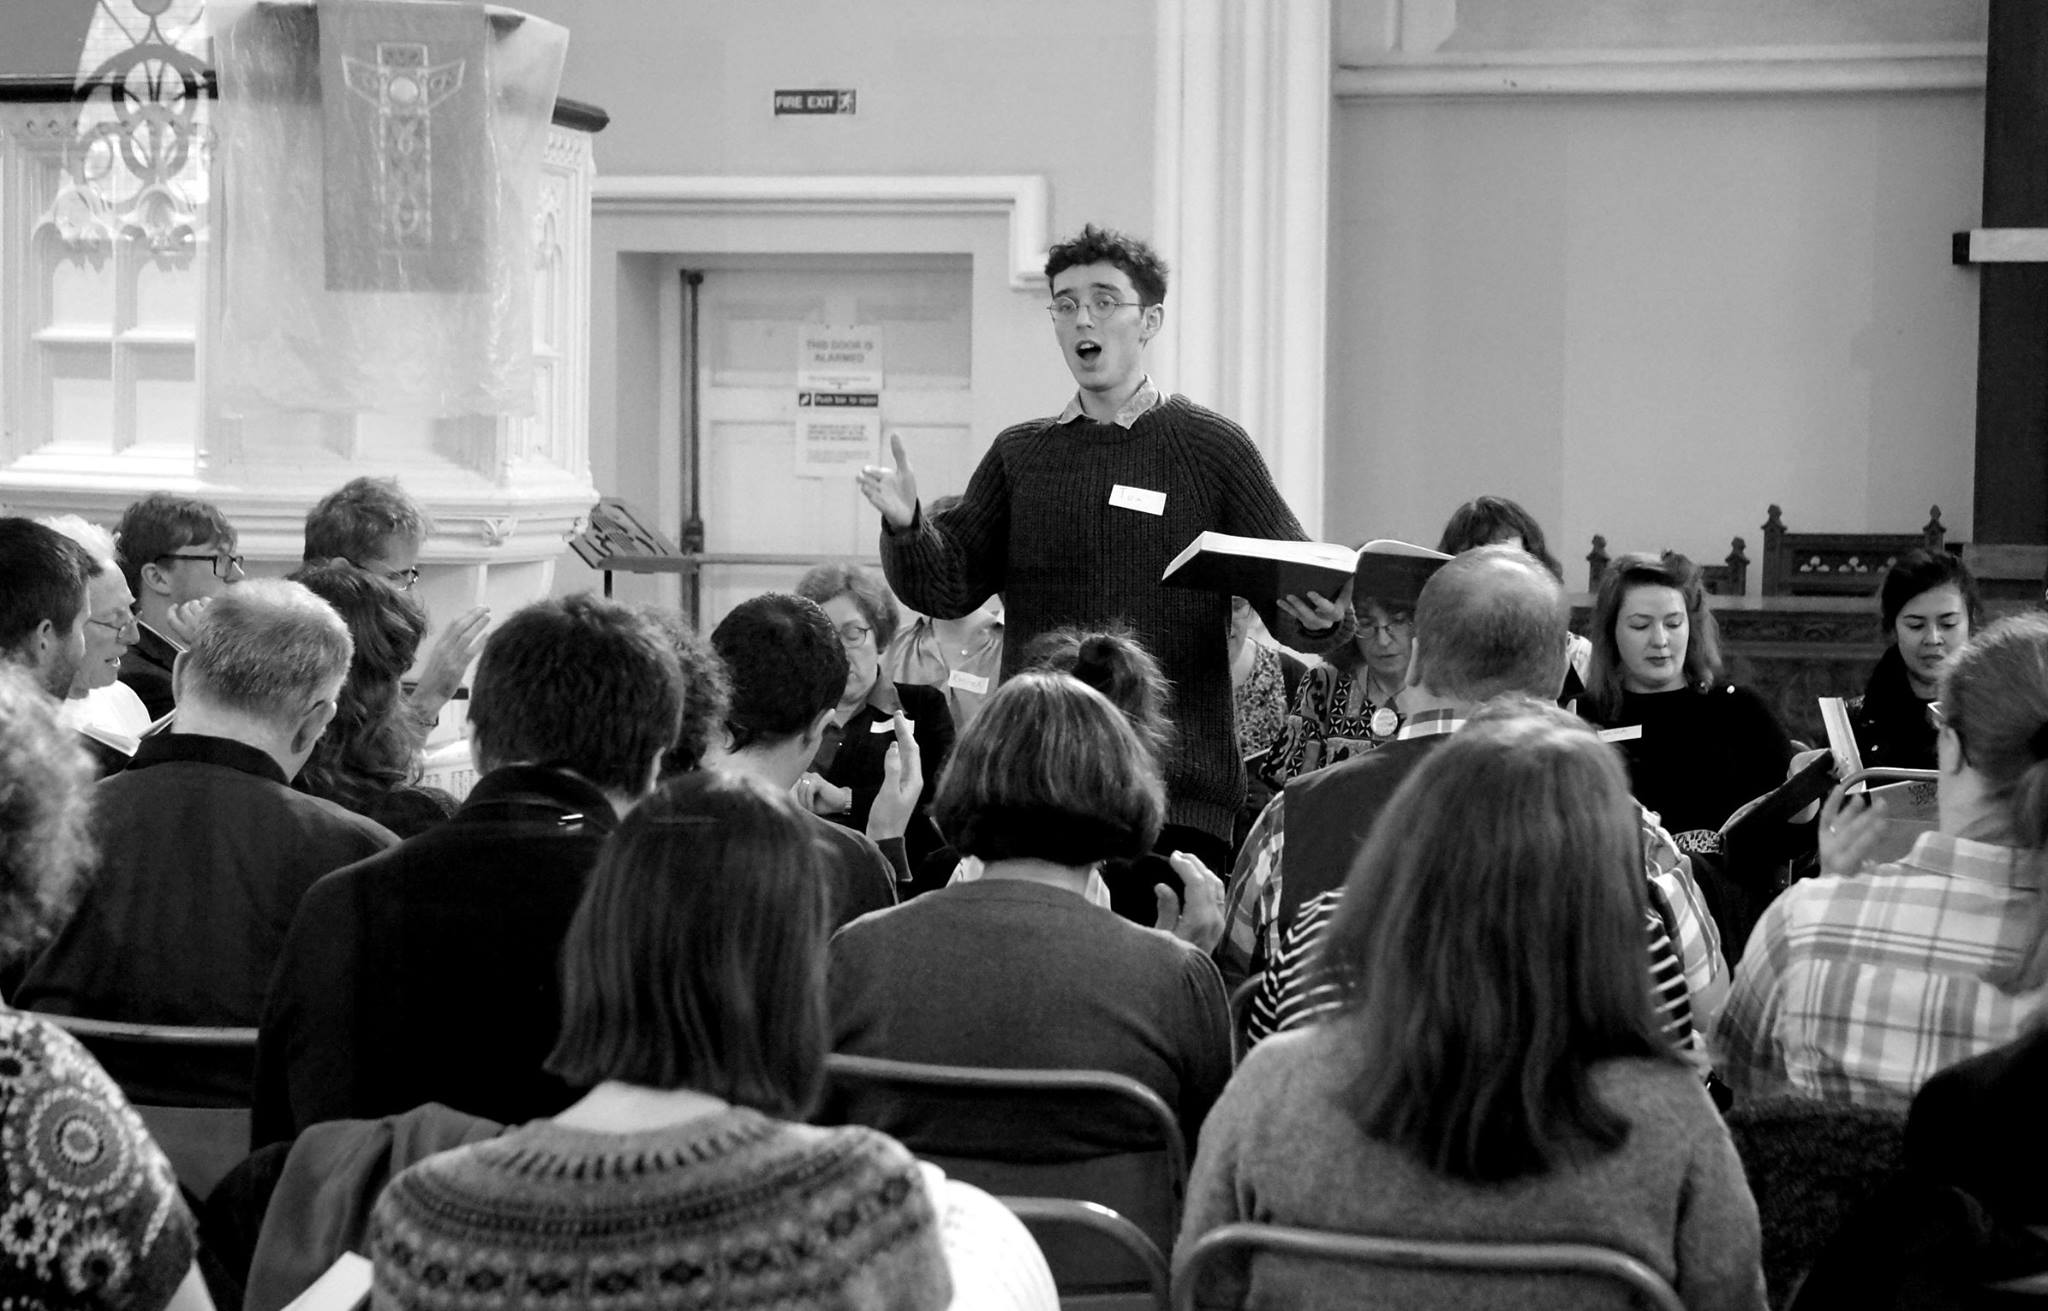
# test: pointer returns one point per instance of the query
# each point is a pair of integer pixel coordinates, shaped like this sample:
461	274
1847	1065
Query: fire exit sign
814	102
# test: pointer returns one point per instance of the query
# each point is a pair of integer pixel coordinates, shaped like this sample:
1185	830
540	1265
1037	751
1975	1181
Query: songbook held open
1263	569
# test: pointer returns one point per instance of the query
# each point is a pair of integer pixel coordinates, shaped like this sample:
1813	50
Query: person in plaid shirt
1858	987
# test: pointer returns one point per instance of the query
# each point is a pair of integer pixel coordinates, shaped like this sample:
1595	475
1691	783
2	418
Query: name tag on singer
1137	498
967	682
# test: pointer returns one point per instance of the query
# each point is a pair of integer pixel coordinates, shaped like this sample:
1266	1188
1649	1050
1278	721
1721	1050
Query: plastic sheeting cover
380	166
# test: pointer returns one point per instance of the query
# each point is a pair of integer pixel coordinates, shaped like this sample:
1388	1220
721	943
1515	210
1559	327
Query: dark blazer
430	973
854	756
204	856
146	669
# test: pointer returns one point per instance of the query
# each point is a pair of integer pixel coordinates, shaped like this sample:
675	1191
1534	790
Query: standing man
1073	519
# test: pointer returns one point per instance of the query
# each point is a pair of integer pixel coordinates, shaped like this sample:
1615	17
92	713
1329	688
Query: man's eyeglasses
1395	629
402	579
120	625
226	565
1100	306
853	634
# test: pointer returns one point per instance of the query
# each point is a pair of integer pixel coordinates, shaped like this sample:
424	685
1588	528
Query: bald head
1490	622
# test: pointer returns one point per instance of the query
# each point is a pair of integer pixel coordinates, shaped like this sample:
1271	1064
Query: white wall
1058	87
1651	316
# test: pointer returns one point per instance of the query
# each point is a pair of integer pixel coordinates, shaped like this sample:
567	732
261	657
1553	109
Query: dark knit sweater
1036	525
733	1210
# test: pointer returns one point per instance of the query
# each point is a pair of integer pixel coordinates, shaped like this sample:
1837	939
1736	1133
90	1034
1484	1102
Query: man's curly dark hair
1108	246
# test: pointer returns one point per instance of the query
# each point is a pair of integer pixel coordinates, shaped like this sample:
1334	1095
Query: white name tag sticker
1137	498
967	682
882	726
1628	733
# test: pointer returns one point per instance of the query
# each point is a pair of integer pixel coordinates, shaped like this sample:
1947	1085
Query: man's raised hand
892	491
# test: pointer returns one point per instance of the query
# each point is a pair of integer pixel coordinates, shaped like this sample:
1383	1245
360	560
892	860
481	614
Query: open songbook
1262	569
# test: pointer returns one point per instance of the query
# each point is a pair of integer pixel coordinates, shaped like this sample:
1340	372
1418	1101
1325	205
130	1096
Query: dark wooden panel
2011	496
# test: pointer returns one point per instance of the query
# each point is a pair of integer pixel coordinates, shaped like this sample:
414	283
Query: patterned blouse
1261	702
1324	728
90	1214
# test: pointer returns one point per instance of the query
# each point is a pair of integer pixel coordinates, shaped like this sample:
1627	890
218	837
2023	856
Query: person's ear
312	723
179	673
814	736
1152	319
153	578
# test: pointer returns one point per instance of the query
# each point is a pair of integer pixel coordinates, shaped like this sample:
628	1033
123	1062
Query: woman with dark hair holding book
694	1011
1493	1072
1929	606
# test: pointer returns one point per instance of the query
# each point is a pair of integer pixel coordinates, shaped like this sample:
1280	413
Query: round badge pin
1385	722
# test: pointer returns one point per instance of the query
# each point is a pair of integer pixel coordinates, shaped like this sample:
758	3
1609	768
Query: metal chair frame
1041	1213
202	1142
1192	1262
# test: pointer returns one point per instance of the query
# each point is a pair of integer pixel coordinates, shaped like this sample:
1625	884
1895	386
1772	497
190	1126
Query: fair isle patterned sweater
90	1214
734	1210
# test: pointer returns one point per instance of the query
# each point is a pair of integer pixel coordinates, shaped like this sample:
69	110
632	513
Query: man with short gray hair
205	849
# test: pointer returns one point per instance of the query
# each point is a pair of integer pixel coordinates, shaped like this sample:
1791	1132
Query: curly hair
707	692
45	849
371	746
1108	246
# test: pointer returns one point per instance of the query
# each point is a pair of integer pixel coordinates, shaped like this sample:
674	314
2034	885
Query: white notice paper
839	357
836	433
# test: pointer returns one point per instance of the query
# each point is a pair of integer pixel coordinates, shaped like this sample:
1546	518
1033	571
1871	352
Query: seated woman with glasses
693	1009
1347	705
850	766
1493	1071
369	758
